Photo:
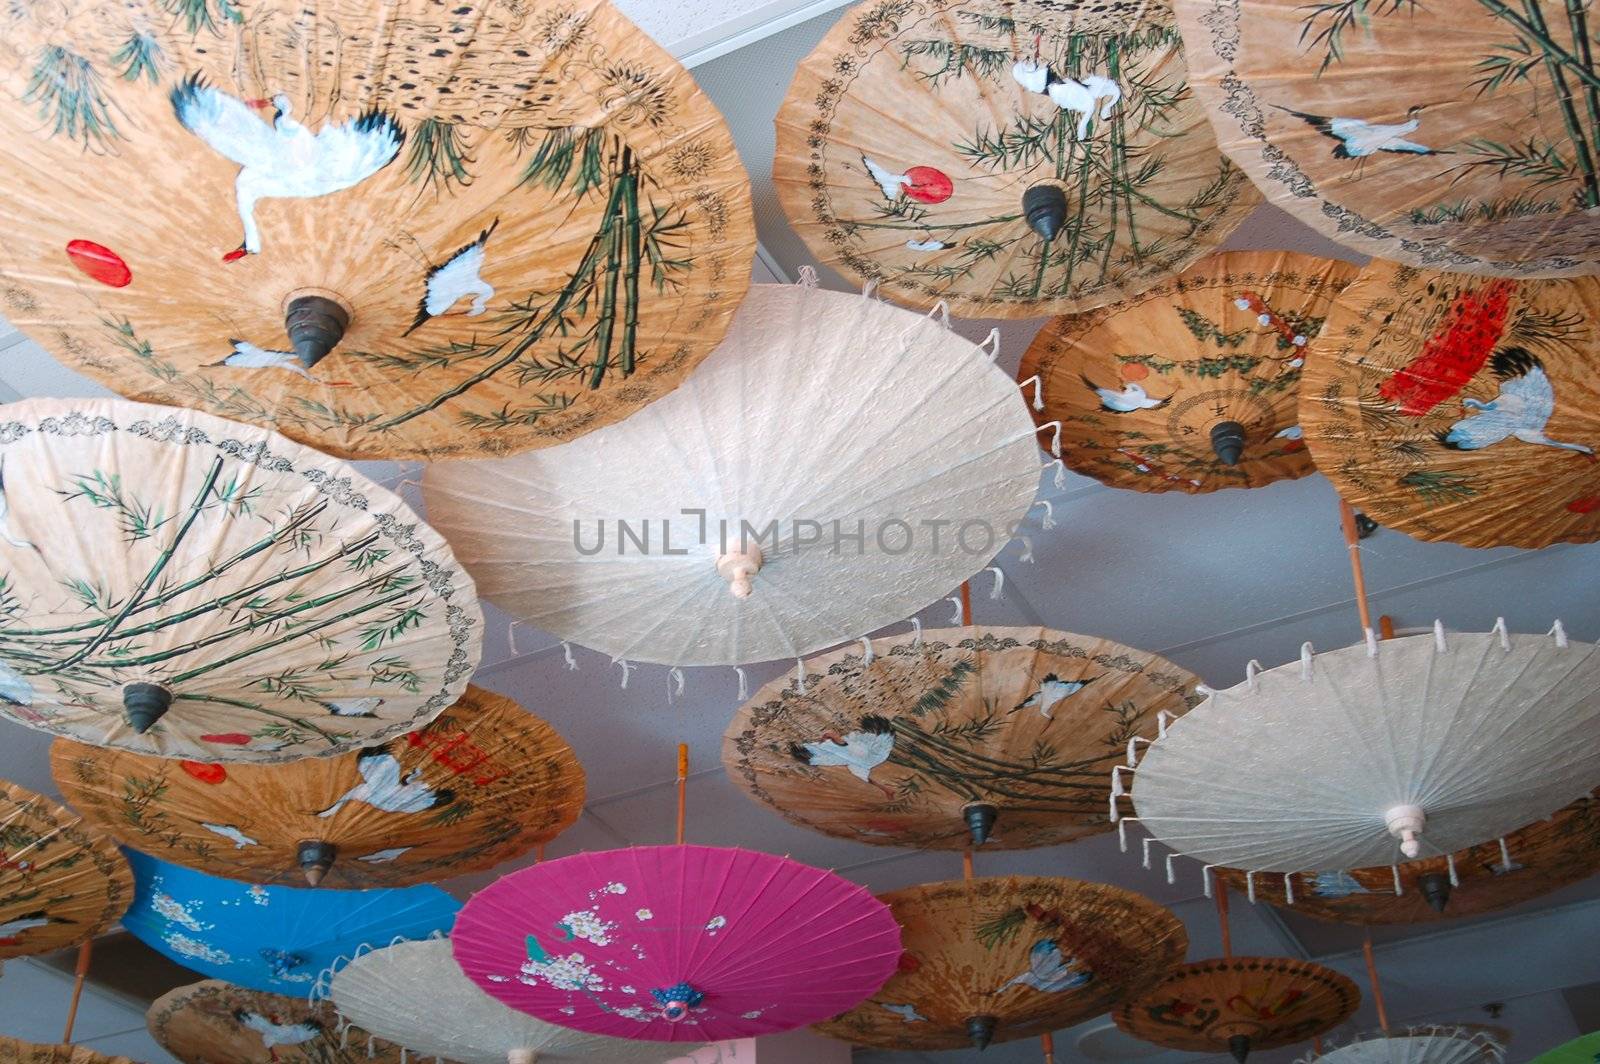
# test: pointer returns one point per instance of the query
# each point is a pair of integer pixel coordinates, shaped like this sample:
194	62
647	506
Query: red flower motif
227	739
204	771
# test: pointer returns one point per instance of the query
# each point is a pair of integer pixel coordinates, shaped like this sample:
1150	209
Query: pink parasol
677	943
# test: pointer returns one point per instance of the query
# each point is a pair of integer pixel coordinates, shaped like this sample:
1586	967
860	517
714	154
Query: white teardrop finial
1405	822
521	1056
738	566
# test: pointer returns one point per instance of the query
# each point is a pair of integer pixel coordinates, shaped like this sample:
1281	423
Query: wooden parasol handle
1222	918
1047	1042
966	864
1372	977
683	787
1352	542
79	975
966	603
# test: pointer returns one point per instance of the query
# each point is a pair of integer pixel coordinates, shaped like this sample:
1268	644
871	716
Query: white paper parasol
835	465
1416	1045
1425	744
414	994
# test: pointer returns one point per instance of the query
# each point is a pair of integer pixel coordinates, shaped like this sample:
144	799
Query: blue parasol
276	939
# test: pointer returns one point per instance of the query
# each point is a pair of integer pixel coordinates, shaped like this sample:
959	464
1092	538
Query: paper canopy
413	993
60	882
1012	157
784	499
274	939
1002	737
1418	1045
1239	1004
1193	384
996	959
189	587
1454	135
1530	862
14	1051
1461	408
212	1021
511	224
676	943
1377	752
482	783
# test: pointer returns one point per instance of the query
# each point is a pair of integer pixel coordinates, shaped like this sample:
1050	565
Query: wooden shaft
1316	1045
538	854
1386	627
1372	977
79	975
683	788
1222	918
1352	542
966	864
1048	1042
966	602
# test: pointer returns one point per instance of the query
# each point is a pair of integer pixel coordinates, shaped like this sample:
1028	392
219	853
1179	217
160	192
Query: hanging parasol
937	740
1416	1045
1012	157
482	783
413	993
405	231
1191	385
1461	408
676	943
15	1051
185	586
217	1021
1528	863
1356	757
60	882
996	959
795	492
1239	1004
1457	135
1581	1050
275	939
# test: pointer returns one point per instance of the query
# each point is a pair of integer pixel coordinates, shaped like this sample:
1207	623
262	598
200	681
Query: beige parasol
1011	157
388	228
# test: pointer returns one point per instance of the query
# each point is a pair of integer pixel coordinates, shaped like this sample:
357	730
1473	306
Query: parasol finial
315	858
1436	888
315	325
738	566
521	1055
145	703
981	1030
1239	1046
1405	822
1045	208
1227	440
980	818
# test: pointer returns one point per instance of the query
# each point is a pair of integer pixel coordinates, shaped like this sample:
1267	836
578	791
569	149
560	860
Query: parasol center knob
145	703
980	818
315	325
1405	822
1435	890
1044	207
1227	442
315	858
738	566
521	1055
676	1001
1239	1047
981	1030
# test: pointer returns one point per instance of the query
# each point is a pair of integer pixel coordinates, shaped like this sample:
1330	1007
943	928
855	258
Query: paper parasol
777	503
1416	1045
60	882
676	943
1455	135
1191	385
484	782
413	993
1012	157
1461	408
1240	1004
186	586
15	1051
937	740
511	225
1358	756
1530	862
217	1021
276	939
1581	1050
995	959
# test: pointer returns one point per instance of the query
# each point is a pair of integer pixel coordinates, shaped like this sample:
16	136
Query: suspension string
1352	542
1372	977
